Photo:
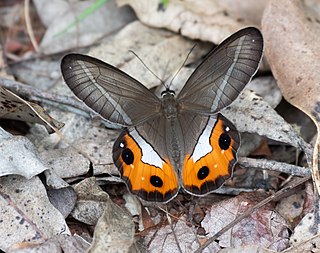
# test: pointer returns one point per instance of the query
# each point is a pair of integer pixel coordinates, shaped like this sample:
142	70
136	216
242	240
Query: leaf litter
187	222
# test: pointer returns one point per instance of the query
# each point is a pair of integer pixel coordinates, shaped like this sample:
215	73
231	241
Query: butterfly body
172	141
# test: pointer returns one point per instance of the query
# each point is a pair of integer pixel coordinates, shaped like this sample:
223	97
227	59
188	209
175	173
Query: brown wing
113	94
223	74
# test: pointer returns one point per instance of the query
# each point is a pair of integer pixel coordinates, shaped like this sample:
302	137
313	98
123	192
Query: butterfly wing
113	94
212	141
211	146
146	170
223	74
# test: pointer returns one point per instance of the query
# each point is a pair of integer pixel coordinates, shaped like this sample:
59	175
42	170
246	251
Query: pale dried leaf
310	245
263	227
66	162
104	20
251	114
90	203
64	199
14	107
97	145
26	213
114	231
205	20
55	244
307	228
19	156
267	88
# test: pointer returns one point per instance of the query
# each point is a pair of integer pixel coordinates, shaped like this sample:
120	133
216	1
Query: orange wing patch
149	182
210	171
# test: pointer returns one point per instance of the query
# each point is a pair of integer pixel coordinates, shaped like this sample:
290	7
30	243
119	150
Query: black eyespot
203	173
224	141
156	181
127	156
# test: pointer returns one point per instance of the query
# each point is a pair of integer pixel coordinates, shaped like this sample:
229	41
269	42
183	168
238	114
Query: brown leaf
293	52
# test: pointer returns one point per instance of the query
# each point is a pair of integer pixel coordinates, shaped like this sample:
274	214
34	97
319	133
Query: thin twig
173	232
274	165
29	26
275	196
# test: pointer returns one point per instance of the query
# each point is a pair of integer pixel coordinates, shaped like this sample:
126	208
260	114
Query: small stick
29	26
274	165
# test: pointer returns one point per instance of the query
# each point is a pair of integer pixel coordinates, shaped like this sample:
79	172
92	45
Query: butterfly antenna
184	62
146	66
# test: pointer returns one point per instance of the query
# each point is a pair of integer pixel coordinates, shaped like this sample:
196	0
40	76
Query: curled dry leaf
14	107
204	20
26	213
19	156
293	52
263	227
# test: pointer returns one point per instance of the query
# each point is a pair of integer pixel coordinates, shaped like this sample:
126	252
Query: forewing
110	92
223	74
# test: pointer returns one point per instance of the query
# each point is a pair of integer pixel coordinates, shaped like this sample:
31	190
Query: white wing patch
203	146
149	156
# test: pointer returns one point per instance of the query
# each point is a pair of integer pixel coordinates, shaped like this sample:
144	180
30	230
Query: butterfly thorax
174	138
169	104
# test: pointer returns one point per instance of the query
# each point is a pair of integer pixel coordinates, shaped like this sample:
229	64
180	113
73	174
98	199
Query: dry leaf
55	244
205	20
251	114
97	145
310	245
59	16
19	156
293	52
90	203
61	160
64	199
114	231
14	107
263	227
26	213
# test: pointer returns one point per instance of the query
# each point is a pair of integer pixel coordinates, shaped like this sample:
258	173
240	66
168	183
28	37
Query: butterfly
177	140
